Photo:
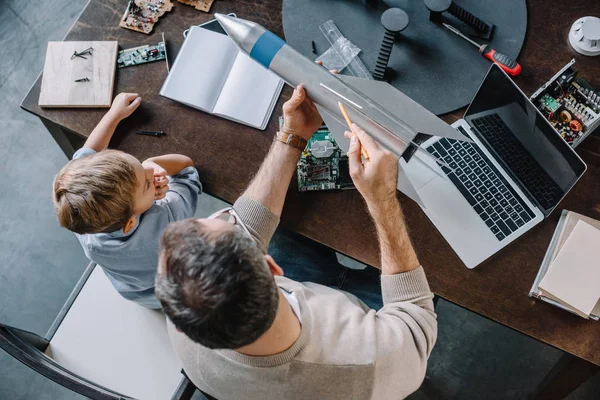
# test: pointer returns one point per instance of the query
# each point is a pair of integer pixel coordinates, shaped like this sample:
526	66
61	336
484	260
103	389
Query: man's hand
377	178
124	105
300	116
161	182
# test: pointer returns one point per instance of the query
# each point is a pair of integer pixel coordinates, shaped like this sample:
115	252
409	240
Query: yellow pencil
347	118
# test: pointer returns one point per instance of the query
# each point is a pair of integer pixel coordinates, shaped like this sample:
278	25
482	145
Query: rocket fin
337	128
403	107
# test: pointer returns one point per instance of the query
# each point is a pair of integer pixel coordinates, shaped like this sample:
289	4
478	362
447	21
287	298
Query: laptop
513	174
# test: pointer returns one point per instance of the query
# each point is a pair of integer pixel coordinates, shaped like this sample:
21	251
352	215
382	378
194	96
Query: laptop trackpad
458	223
421	170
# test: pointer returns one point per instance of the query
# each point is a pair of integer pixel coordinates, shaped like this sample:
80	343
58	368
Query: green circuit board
141	55
322	165
549	103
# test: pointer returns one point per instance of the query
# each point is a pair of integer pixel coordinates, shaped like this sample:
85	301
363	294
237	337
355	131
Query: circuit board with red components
571	105
141	15
202	5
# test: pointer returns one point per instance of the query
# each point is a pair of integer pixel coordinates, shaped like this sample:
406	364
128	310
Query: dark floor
474	358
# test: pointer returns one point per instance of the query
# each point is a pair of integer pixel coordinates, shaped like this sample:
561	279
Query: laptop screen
521	139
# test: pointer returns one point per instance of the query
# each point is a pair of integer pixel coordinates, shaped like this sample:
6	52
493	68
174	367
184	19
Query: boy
119	207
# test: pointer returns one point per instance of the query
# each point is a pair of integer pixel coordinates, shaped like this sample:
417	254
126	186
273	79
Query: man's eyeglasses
230	215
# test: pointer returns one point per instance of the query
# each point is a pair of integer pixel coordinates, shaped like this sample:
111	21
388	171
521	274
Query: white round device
584	36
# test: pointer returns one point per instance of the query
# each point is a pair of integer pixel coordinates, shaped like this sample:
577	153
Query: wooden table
228	154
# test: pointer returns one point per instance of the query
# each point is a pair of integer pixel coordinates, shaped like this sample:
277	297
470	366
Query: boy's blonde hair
95	193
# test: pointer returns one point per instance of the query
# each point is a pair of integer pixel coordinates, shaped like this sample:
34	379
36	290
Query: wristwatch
292	140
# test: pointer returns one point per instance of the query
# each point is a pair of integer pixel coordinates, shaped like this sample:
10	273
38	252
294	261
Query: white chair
103	346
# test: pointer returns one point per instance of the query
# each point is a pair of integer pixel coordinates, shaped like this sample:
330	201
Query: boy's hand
161	182
124	105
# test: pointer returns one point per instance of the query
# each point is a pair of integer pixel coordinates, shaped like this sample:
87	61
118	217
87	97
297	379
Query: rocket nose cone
221	17
243	33
228	23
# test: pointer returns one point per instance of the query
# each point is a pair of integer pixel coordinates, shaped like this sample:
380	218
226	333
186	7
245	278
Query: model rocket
384	112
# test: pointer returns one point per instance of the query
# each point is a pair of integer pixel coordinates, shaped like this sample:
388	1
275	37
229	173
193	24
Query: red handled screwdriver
509	65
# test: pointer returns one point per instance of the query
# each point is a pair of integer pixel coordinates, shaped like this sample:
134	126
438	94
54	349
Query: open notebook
212	75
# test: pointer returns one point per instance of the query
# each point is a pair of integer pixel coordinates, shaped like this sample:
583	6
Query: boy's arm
180	197
123	105
172	164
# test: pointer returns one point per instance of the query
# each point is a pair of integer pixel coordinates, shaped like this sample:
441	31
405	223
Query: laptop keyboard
483	186
526	168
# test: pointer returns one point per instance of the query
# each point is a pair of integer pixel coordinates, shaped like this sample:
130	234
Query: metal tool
81	54
151	133
509	65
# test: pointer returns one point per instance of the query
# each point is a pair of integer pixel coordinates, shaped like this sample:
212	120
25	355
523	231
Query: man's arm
406	326
376	180
271	183
123	105
261	204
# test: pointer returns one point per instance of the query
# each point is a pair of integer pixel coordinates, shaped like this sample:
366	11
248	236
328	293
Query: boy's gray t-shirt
130	260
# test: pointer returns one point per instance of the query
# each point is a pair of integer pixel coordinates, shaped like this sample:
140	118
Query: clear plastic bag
332	59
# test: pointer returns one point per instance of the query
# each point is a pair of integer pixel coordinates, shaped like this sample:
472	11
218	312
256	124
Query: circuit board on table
571	105
322	165
141	55
202	5
141	15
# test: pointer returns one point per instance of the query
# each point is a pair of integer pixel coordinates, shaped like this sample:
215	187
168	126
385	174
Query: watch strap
291	140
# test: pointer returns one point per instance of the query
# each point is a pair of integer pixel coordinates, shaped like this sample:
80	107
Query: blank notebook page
249	92
201	68
574	275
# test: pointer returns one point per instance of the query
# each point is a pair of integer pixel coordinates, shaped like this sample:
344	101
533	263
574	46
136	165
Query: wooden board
202	5
59	88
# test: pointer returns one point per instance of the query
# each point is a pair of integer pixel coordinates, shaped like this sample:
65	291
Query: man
244	331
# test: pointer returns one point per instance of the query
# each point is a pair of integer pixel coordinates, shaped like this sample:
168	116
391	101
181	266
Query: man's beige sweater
345	350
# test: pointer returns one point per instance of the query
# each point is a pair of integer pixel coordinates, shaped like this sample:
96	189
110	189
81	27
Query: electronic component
141	15
565	116
549	103
570	104
141	55
322	165
202	5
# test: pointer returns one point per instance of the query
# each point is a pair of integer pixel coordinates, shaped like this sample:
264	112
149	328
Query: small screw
82	80
314	47
81	53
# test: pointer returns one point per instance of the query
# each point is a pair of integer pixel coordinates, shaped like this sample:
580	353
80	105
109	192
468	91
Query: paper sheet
574	276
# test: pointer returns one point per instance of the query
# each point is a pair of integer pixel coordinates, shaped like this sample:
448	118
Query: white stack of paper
573	278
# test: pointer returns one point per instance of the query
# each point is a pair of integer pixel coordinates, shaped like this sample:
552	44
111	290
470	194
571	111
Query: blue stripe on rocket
265	48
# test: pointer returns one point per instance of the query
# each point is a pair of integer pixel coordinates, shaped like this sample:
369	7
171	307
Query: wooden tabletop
228	154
